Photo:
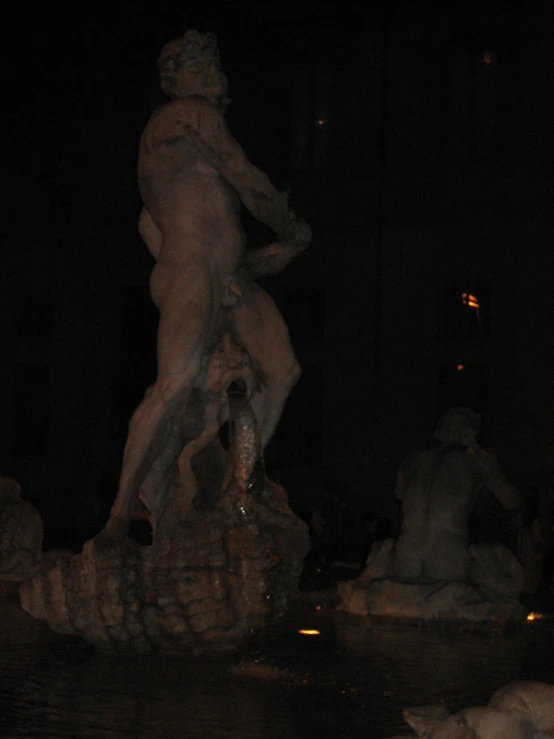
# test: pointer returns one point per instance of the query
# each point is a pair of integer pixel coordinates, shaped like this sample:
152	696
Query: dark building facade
418	144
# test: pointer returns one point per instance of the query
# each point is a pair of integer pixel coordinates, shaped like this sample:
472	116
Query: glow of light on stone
309	632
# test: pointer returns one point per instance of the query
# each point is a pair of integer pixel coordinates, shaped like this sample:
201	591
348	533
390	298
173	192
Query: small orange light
318	608
321	122
309	632
534	616
471	300
460	367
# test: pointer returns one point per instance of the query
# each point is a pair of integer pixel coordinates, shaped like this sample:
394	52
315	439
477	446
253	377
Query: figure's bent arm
504	492
218	148
272	258
507	495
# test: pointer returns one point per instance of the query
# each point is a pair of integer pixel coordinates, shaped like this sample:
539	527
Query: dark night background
417	140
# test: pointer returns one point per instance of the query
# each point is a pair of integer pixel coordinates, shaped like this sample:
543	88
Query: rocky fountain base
488	594
211	578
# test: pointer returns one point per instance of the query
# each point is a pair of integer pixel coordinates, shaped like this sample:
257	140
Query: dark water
351	681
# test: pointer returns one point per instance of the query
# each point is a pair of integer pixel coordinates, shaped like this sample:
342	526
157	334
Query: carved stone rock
21	533
206	584
488	596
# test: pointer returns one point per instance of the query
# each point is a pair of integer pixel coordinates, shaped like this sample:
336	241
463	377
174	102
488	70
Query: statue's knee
170	391
282	375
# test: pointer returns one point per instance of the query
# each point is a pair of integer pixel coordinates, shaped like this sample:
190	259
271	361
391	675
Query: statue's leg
188	312
263	332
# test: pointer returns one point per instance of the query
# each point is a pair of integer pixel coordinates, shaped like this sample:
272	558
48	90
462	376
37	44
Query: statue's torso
442	487
195	209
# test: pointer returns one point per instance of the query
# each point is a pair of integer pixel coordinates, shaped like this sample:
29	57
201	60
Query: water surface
352	680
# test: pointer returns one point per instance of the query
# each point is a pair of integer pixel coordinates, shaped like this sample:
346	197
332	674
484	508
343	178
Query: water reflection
352	679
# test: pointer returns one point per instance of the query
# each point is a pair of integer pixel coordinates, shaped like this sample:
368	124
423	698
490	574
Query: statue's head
458	425
189	65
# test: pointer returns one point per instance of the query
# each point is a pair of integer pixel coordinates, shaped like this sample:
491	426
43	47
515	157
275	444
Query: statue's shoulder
197	102
484	462
172	121
191	110
183	109
482	455
417	460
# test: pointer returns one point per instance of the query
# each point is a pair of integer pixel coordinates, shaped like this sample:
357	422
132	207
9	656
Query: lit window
472	302
465	314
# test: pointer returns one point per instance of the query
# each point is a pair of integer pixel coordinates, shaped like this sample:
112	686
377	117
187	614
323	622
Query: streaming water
350	680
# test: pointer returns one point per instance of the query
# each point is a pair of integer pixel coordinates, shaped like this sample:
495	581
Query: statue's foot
112	535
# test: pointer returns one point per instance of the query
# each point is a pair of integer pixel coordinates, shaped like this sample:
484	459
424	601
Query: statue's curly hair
187	51
453	424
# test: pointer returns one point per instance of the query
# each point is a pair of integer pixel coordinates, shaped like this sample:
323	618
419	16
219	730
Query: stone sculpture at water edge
433	570
227	550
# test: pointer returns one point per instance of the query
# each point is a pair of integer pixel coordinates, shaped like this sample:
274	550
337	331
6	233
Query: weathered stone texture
21	533
206	585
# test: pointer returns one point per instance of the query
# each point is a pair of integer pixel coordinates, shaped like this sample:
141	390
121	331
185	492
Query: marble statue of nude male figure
192	177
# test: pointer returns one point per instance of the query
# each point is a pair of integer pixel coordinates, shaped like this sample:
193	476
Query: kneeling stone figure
432	571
